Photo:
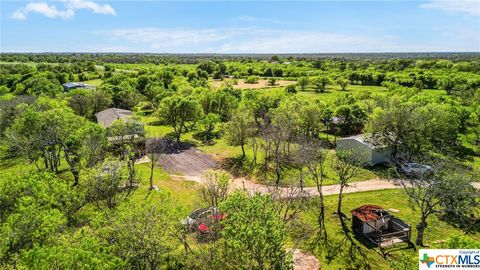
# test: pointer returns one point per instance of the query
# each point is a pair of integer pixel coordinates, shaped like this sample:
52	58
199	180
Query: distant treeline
195	58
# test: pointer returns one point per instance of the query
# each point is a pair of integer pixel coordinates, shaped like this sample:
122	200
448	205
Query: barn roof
108	116
369	212
363	139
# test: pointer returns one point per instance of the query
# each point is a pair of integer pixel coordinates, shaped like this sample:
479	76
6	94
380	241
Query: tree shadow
172	146
468	224
207	138
238	166
463	152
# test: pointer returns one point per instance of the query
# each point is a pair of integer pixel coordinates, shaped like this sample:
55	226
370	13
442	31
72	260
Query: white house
364	149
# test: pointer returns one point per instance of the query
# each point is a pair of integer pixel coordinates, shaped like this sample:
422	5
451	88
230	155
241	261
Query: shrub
251	80
291	88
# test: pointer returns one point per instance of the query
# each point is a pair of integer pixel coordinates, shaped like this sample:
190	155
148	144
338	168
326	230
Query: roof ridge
116	112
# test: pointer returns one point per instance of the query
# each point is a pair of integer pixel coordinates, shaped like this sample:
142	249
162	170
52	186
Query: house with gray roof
74	85
108	116
364	149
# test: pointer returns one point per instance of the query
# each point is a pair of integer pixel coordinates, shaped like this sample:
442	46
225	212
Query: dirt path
304	261
368	185
253	187
190	165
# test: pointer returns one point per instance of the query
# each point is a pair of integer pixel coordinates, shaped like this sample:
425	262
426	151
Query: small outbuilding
364	149
378	226
75	85
108	116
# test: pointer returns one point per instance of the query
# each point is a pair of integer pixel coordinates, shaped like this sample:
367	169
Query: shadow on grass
207	138
237	166
464	153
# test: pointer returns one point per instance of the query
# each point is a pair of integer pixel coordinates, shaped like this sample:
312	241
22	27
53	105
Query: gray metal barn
364	149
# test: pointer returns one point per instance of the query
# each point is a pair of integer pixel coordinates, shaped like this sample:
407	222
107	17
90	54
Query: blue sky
239	27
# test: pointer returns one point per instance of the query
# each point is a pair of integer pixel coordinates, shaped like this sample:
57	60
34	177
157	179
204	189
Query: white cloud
247	18
96	8
167	38
469	7
246	40
68	12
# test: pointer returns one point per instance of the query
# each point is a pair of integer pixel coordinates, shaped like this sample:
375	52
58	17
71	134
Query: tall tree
127	135
177	111
240	127
214	188
320	83
155	147
144	233
254	235
303	83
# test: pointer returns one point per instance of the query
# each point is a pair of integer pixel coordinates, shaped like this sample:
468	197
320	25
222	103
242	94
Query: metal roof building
108	116
74	85
364	149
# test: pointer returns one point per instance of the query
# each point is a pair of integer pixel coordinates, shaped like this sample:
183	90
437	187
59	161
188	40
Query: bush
291	88
272	81
251	80
4	90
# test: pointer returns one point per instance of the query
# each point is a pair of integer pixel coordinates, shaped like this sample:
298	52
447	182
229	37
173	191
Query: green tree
104	184
303	83
320	83
79	250
127	135
207	125
350	118
254	235
177	111
34	209
81	101
271	81
343	83
446	84
240	128
143	234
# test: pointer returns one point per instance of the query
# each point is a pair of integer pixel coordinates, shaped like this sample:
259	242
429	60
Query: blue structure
74	85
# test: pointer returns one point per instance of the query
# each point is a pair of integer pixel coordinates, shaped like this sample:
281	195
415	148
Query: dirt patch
261	84
192	162
476	185
304	261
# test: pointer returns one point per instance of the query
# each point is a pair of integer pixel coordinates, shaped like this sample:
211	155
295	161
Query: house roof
363	139
75	84
369	212
108	116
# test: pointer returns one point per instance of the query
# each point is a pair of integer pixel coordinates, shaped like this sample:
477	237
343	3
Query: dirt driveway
191	162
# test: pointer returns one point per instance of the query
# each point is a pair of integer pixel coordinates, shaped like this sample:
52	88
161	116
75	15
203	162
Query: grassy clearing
221	150
95	82
182	192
